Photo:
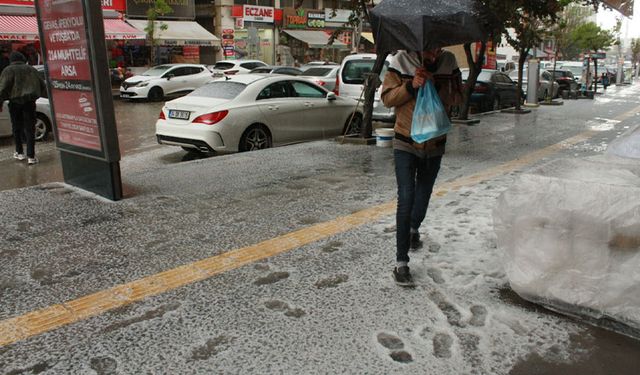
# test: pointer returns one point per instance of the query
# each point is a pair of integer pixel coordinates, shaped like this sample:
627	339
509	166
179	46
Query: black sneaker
414	241
402	276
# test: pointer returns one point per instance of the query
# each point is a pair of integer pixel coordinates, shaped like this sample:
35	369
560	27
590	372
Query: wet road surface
328	305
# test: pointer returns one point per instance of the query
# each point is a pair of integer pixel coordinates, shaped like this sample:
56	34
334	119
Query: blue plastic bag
430	119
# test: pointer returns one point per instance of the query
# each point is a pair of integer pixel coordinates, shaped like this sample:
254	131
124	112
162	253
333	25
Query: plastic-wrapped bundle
571	235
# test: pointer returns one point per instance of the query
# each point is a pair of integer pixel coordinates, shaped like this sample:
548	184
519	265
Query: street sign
599	55
73	44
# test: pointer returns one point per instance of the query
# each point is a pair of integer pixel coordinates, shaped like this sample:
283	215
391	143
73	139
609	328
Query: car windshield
354	71
261	70
575	70
223	65
317	72
157	71
219	90
561	74
484	76
514	75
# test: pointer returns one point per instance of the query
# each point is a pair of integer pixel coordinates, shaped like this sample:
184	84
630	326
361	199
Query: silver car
255	111
323	75
43	119
547	86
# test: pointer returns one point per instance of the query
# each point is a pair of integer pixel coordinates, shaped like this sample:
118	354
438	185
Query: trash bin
564	94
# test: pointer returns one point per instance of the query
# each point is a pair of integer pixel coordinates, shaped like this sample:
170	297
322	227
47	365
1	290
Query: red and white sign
119	5
69	62
254	13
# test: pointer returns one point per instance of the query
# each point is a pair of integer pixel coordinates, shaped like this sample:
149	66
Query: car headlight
143	84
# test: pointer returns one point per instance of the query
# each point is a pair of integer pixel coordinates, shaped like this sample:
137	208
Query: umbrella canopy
418	25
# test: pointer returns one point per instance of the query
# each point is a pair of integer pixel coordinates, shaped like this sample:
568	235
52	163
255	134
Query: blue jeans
415	177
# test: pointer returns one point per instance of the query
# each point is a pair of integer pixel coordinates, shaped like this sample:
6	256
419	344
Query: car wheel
256	137
496	104
155	94
42	127
353	125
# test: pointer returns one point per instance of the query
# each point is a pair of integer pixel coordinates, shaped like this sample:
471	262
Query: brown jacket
398	92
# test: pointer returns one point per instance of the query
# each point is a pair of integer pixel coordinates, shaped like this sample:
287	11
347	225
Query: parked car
547	86
231	67
565	79
288	70
323	75
313	64
43	119
506	66
575	67
350	83
165	80
254	111
494	90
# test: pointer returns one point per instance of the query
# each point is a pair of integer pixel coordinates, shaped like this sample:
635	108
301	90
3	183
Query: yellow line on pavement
49	318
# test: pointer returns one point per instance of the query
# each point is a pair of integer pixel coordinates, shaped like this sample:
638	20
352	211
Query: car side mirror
331	96
169	76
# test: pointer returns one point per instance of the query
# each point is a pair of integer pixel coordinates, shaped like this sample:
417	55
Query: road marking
53	317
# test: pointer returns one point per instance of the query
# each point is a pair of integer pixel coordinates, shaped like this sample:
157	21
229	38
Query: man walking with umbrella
416	164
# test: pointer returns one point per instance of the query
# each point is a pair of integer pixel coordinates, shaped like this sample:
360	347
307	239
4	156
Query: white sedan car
165	80
252	111
43	119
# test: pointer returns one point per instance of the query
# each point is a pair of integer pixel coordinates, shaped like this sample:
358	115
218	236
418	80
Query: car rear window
261	70
223	65
354	71
317	72
219	90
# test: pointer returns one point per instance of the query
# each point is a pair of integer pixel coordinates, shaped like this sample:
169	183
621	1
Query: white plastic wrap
571	236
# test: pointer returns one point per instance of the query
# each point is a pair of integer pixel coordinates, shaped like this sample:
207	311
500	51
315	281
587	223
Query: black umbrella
418	25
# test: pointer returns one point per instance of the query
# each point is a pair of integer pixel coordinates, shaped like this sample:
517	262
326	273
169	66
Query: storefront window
264	3
254	43
307	4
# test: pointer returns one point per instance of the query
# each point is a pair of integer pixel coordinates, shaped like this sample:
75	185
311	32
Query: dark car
565	79
494	90
288	70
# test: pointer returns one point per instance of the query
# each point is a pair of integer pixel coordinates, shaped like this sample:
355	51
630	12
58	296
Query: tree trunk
523	57
372	82
475	68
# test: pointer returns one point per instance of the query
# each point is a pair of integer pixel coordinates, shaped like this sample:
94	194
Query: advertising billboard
73	44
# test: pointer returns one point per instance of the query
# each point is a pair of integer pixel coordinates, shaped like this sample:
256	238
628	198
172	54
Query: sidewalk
299	245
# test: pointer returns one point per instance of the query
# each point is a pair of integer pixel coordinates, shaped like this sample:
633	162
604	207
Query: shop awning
316	39
25	28
368	36
118	29
22	28
180	33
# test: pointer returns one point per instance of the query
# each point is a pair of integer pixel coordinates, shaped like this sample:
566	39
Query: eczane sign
253	13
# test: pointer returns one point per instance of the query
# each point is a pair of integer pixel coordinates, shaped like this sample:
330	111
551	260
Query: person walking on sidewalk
22	86
416	164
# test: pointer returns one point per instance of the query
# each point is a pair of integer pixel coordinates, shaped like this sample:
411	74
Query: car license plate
125	94
182	115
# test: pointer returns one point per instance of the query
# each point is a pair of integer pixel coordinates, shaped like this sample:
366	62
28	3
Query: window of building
306	4
264	3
